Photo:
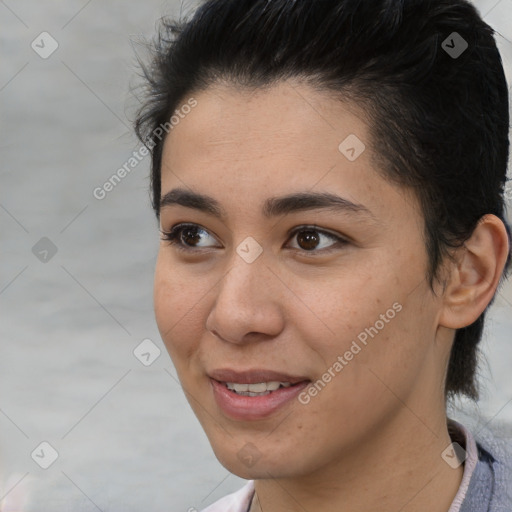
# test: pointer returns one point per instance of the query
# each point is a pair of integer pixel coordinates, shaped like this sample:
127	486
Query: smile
258	389
254	395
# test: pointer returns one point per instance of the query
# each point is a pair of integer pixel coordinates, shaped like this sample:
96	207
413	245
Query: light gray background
126	437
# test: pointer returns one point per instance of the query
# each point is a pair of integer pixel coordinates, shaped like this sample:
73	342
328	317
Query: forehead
286	119
242	146
277	131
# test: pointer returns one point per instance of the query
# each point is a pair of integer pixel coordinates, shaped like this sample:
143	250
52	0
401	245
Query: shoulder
236	502
490	485
495	458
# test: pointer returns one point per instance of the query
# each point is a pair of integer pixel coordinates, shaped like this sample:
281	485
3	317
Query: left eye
309	239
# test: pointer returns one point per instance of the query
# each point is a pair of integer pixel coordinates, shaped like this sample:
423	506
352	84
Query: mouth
257	389
254	394
256	376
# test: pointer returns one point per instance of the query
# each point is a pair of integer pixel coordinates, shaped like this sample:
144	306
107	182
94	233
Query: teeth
269	386
260	388
237	387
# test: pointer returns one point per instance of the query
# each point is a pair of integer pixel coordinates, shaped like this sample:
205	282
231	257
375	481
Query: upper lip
253	376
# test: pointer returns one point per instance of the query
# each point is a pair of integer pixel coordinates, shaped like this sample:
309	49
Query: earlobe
475	273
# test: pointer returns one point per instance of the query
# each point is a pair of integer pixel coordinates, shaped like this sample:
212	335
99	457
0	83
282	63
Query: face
325	293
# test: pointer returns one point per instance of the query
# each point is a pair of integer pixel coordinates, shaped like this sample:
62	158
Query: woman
328	176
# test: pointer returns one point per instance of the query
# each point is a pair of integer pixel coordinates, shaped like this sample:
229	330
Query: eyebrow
272	207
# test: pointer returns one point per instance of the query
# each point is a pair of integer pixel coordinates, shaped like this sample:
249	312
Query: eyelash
173	238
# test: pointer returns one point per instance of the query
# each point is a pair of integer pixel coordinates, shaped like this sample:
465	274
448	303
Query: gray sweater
490	486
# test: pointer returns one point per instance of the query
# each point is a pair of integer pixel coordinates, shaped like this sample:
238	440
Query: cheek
340	307
393	339
178	301
371	317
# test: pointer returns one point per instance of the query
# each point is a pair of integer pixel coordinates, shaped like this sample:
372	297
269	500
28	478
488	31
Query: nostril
216	334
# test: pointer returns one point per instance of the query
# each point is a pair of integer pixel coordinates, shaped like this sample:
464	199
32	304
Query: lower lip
240	407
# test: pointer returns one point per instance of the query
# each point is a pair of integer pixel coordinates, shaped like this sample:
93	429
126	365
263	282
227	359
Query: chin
252	464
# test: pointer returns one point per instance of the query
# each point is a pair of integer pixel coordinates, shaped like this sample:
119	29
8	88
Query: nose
249	303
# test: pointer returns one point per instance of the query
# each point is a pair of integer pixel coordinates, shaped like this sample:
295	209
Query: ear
475	275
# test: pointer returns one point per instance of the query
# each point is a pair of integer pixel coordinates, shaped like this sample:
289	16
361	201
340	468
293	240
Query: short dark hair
439	121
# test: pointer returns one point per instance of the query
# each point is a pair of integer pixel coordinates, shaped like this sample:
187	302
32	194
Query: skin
372	438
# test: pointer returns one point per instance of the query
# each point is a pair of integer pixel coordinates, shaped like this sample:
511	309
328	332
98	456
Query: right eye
186	237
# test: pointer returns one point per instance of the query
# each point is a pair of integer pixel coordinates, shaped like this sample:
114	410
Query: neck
399	467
